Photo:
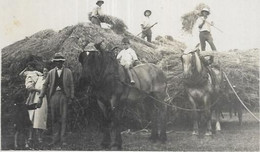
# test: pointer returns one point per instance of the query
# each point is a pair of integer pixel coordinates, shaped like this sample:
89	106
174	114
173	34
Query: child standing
21	118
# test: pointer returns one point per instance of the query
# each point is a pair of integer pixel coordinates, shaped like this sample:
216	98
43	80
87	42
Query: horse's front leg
163	121
106	123
218	127
195	117
162	116
117	113
116	110
218	115
208	113
154	133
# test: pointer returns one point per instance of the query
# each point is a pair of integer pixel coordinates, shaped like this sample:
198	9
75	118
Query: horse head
96	65
191	63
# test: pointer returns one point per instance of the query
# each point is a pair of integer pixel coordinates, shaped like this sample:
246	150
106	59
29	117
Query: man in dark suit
59	83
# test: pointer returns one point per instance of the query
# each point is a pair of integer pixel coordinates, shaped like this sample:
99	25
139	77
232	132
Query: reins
168	99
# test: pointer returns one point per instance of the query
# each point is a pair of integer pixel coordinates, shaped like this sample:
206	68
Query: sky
238	19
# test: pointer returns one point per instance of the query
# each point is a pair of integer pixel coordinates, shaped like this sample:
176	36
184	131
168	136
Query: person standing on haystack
97	14
205	30
146	26
60	86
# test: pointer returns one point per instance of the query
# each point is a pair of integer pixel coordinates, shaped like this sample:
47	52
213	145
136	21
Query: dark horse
102	72
203	85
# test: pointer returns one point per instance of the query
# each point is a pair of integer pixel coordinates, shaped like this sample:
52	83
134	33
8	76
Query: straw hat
205	10
58	57
149	11
100	1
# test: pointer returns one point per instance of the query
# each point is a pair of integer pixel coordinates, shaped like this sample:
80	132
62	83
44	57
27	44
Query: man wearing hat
146	30
205	32
127	57
60	87
97	14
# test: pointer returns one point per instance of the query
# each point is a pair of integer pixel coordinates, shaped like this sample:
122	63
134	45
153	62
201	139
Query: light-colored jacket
67	83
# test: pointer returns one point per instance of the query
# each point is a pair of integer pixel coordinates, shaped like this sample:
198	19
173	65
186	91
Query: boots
130	76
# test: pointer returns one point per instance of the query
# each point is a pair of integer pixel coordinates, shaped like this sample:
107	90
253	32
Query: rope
168	99
239	97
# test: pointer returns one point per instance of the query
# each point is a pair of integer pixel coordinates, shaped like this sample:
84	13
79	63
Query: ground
232	138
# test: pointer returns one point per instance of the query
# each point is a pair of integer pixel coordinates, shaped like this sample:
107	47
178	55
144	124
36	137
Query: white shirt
59	71
97	11
206	26
146	22
127	56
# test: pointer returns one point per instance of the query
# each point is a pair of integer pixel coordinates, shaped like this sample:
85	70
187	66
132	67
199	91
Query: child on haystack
31	78
21	119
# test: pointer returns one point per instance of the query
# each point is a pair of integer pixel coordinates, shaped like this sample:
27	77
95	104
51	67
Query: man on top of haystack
205	31
97	14
146	26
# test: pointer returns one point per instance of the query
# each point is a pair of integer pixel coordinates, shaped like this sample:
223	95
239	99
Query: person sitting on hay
205	29
127	58
97	14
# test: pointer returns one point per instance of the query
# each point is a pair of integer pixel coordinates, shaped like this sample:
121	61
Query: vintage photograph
130	75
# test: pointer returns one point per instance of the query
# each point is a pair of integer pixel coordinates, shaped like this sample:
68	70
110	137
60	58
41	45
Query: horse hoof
209	133
117	146
105	146
163	141
153	140
195	133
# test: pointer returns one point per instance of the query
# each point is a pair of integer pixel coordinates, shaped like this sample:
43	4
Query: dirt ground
232	138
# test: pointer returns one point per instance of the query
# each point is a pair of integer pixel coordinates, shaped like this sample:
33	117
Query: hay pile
71	41
242	67
190	18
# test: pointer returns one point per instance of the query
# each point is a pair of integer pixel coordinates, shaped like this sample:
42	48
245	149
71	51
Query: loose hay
189	19
117	25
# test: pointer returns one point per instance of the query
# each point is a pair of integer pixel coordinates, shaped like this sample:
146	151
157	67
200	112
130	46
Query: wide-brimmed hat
205	10
58	57
147	11
125	41
90	47
100	1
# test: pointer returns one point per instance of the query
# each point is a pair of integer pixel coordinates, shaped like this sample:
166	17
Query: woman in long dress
39	116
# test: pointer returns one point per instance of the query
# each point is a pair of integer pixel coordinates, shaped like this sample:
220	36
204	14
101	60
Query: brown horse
108	81
204	87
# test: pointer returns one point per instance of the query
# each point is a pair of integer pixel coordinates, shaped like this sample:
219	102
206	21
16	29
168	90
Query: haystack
70	41
242	67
